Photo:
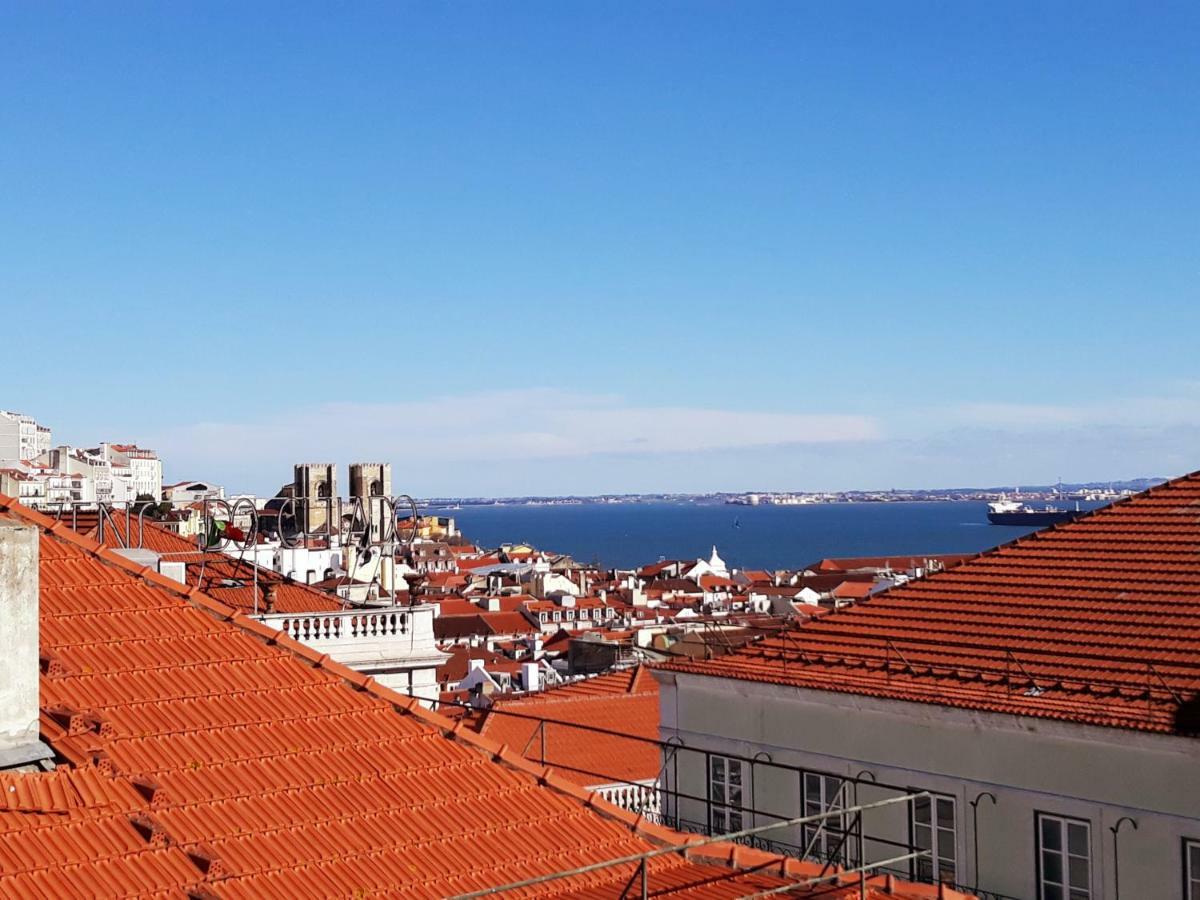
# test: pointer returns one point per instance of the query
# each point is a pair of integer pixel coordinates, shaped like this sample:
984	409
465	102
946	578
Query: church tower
370	482
316	493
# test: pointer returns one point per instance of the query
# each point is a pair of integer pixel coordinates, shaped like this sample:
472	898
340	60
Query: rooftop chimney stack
19	665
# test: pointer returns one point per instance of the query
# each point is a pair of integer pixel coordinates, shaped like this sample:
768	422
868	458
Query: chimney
19	652
269	597
530	676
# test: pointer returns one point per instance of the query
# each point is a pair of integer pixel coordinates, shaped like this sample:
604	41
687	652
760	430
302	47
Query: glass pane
735	772
1051	836
718	820
945	843
921	810
924	869
946	873
1078	868
945	811
1052	867
923	837
1079	895
1077	838
718	767
735	822
1051	892
735	796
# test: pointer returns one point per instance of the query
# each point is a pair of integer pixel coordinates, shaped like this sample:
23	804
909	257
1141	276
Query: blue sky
547	247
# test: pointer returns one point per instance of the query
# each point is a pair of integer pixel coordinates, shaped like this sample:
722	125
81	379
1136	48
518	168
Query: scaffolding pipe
833	876
684	848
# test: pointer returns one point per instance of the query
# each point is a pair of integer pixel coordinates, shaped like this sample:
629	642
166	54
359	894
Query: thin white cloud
1177	404
496	427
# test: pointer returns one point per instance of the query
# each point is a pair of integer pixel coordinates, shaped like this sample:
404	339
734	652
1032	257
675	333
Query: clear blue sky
566	247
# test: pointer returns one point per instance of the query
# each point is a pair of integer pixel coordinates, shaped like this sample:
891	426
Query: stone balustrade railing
639	798
339	627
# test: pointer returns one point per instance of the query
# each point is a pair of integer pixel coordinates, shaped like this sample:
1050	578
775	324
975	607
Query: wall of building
1030	765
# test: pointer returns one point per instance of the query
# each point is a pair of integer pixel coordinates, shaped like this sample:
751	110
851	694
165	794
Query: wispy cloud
1177	404
497	427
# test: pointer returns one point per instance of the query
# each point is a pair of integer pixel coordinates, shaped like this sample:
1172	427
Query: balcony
373	640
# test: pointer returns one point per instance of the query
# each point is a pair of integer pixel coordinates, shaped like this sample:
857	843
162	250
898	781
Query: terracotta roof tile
622	703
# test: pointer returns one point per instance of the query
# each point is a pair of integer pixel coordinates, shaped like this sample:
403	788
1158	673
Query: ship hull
1033	518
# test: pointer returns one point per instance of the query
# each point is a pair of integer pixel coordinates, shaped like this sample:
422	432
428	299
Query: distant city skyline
547	249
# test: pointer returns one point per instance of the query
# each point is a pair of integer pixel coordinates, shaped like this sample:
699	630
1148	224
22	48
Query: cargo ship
1011	512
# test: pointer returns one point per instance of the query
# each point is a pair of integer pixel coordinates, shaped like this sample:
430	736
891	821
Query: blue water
754	537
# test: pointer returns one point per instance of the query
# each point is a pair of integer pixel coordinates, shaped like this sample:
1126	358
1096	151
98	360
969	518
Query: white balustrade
370	640
639	797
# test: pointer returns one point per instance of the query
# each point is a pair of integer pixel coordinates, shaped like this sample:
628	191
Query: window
1064	858
557	616
725	780
823	840
1191	870
933	830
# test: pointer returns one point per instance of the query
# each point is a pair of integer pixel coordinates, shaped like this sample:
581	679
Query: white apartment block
21	437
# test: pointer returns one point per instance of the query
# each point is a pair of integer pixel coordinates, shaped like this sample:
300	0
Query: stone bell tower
316	494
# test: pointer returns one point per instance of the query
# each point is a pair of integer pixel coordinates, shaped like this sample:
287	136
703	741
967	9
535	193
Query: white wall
1031	765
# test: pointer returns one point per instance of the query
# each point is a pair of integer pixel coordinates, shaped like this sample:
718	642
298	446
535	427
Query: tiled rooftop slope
220	576
1094	621
622	702
215	757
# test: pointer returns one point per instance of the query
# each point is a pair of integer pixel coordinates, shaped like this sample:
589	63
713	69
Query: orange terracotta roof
225	758
479	562
853	590
625	703
898	563
456	606
711	582
1092	621
220	576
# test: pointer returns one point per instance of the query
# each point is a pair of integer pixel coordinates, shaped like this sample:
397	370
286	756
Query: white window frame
825	793
1191	869
1062	886
934	836
727	793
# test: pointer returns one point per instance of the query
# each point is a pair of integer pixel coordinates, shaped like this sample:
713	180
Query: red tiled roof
237	762
853	590
479	562
482	623
898	563
625	703
220	576
456	606
1094	621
